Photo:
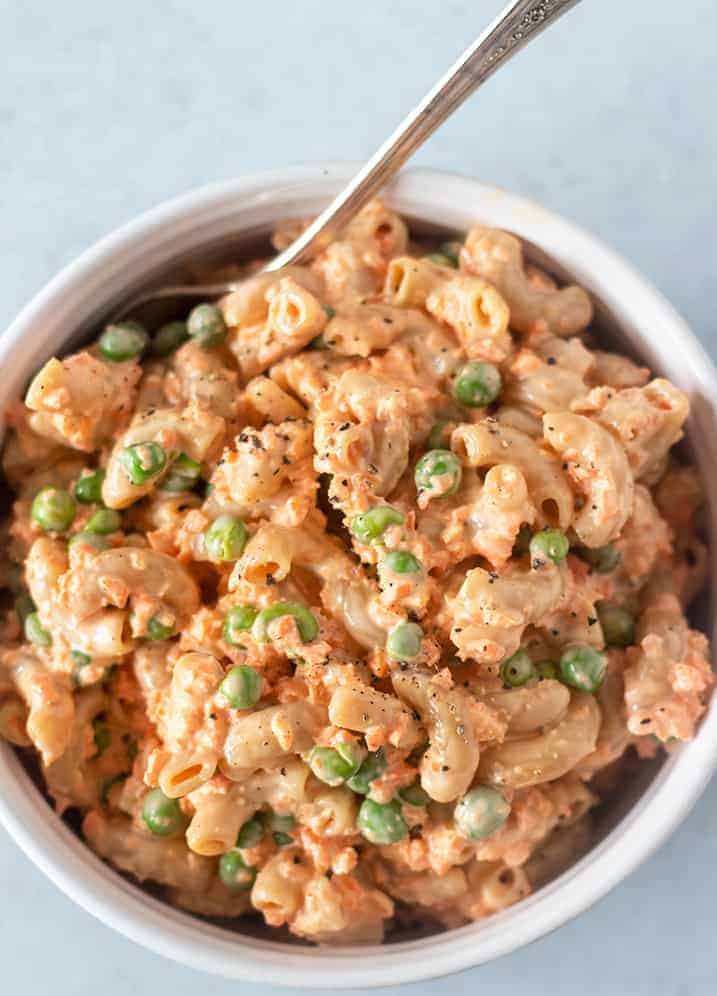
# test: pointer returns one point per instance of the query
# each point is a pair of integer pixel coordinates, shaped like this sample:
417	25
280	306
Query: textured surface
609	119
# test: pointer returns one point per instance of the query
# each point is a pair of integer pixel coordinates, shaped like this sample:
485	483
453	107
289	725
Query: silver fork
518	24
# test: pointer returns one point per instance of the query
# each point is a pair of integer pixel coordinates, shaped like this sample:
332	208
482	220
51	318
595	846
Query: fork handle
510	31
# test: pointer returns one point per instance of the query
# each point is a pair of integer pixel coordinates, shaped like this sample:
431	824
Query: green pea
381	823
440	259
438	436
234	872
80	658
318	342
241	687
53	510
354	754
281	825
35	632
143	461
603	559
480	812
88	489
306	622
206	324
438	471
335	765
517	670
187	467
330	767
583	668
102	736
238	620
371	769
404	641
414	795
94	540
183	474
477	384
225	539
330	312
104	521
281	822
548	670
176	484
251	831
158	630
370	526
24	606
160	814
548	544
402	562
123	341
169	337
618	625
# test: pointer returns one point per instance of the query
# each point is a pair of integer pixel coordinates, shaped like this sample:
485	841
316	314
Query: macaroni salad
344	600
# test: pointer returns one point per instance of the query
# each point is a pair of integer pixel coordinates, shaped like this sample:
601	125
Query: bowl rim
78	872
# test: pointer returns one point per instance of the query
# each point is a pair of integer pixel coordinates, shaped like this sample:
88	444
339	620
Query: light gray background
108	108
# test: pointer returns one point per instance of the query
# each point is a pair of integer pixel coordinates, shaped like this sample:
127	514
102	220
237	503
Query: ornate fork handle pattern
532	19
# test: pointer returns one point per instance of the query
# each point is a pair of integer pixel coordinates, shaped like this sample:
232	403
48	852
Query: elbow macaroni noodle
337	601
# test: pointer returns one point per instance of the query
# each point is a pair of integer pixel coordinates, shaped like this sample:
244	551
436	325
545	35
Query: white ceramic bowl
114	268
